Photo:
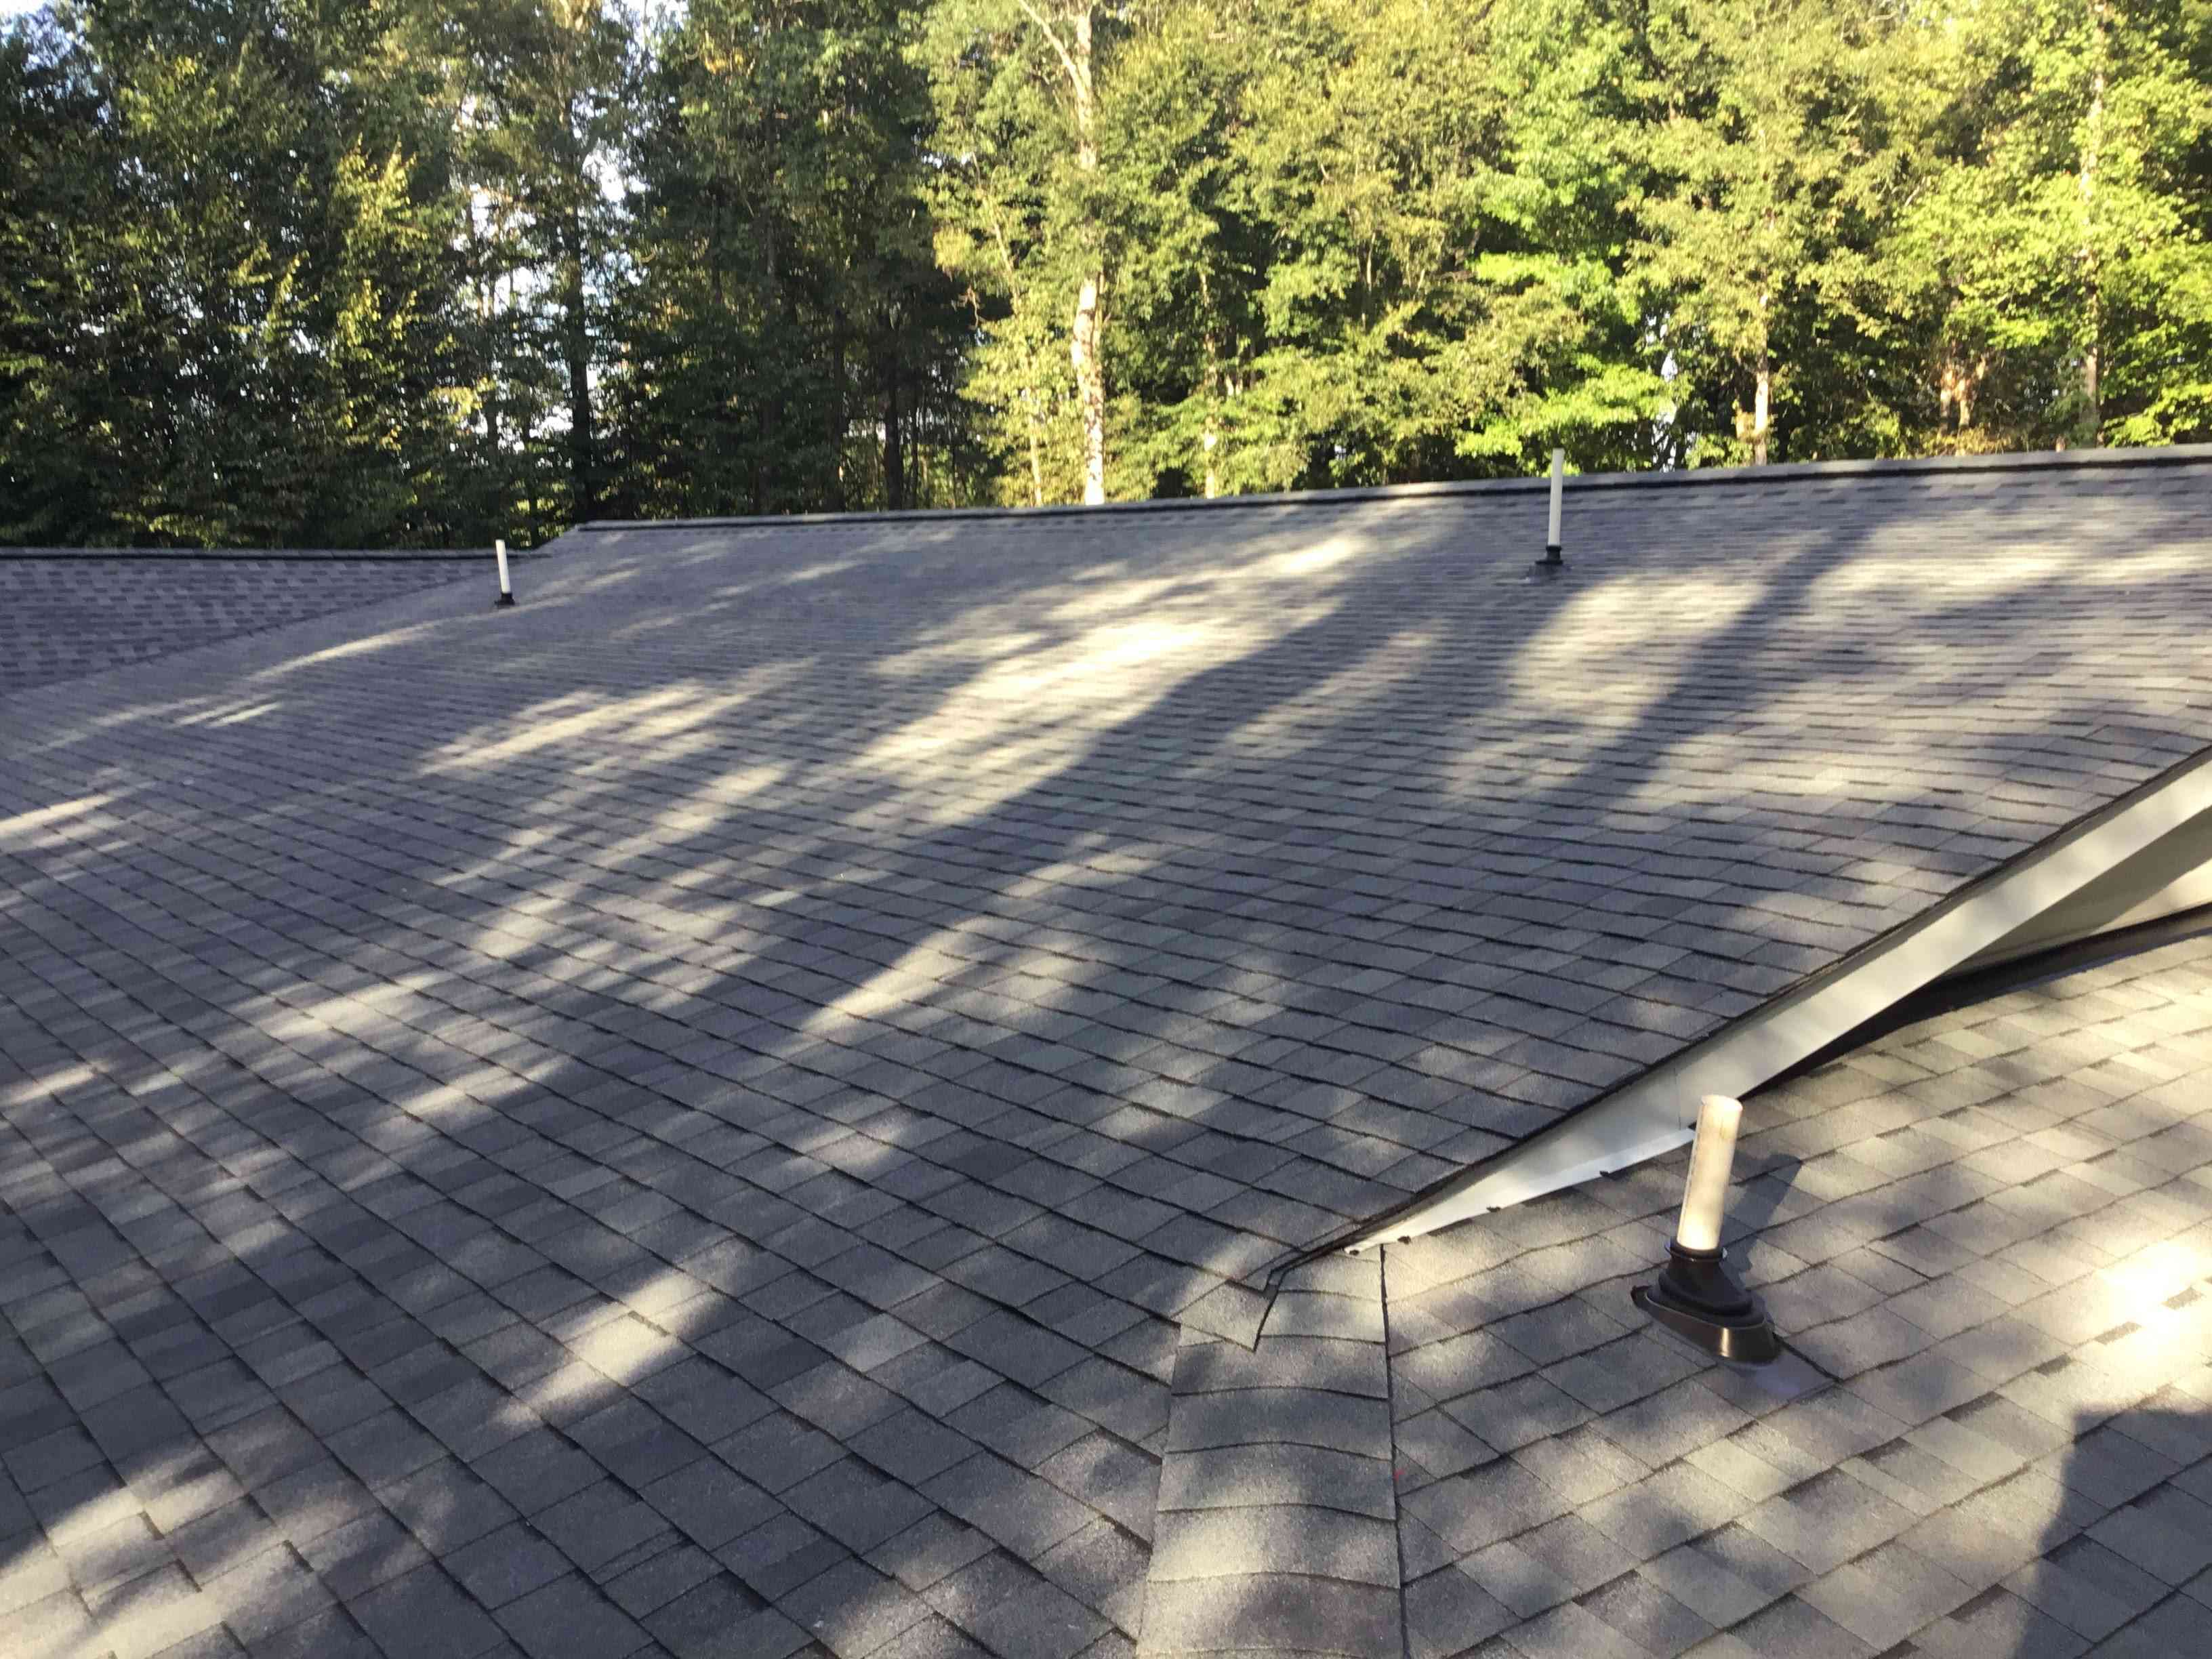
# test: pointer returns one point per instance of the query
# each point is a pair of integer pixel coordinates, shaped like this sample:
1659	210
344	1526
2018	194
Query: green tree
57	369
393	270
1019	231
1782	139
793	343
1368	243
554	80
2066	239
243	319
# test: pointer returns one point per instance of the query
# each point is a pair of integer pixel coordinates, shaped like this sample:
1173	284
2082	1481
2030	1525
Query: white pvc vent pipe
1712	1160
1559	488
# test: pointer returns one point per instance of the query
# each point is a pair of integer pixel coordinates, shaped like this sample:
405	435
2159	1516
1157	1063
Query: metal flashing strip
1966	986
2171	877
1656	1112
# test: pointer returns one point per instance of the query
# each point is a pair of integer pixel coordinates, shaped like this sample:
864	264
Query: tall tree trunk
1762	392
1085	325
1210	441
2092	418
1083	348
894	447
1032	419
1210	438
1762	396
1037	448
753	468
778	409
2094	307
1090	389
576	332
489	323
837	409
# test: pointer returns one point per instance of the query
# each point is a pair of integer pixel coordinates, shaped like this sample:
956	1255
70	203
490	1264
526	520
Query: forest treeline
359	272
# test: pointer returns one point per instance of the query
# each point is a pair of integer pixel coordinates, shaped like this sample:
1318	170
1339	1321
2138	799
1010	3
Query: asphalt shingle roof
66	612
741	1102
1988	1239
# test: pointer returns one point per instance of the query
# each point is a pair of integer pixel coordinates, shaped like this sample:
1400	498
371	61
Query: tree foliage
400	271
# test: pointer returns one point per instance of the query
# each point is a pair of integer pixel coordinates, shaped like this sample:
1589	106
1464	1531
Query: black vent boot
1699	1300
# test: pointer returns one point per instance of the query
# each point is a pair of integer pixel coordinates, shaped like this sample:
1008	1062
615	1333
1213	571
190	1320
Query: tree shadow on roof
2121	1562
1061	939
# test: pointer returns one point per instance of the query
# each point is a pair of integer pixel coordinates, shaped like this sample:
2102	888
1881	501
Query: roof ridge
1705	476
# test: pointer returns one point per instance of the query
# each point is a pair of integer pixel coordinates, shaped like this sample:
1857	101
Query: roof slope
1306	841
704	1097
71	611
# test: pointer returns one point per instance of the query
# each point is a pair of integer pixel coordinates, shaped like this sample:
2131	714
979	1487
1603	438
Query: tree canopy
422	272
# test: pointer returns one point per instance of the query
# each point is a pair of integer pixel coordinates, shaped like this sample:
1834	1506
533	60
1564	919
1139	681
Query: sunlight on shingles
239	717
523	927
660	623
970	648
599	581
707	739
741	783
1379	672
814	573
1038	703
1046	878
1821	637
1138	594
361	647
1573	662
2158	1273
697	813
994	723
1895	567
284	1021
627	722
44	817
81	729
1311	561
32	1088
539	727
1109	650
886	993
919	970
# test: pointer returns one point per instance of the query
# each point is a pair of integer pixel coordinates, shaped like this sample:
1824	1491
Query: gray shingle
424	1613
1320	1542
1022	1512
1242	1476
1278	1612
570	1616
851	1609
708	1616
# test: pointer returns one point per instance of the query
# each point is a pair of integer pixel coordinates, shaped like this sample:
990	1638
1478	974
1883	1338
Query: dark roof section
66	612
